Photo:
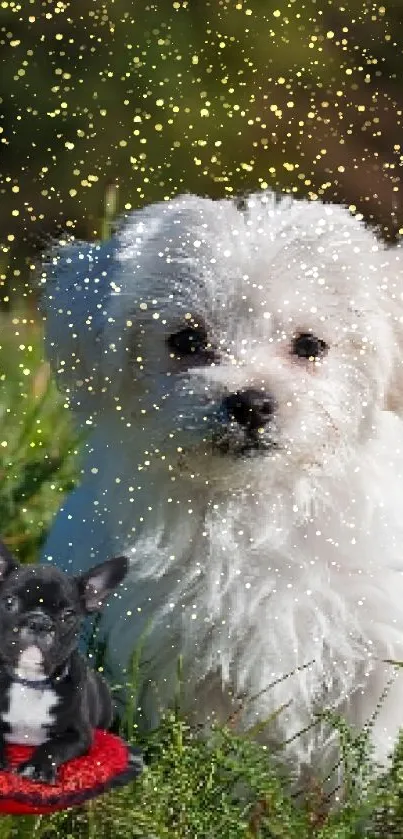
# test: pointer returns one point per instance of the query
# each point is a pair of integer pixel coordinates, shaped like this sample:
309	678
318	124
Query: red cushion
110	762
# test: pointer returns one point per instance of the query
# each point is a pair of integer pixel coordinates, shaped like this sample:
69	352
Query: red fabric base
110	762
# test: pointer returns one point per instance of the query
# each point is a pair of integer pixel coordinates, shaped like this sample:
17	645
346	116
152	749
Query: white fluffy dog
239	372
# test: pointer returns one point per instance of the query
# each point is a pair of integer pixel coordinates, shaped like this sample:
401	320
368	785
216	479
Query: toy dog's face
254	338
41	610
40	617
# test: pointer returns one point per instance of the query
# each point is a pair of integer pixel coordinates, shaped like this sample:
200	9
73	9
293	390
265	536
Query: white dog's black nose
251	408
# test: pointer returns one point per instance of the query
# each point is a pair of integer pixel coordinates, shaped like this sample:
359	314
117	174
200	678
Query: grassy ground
225	788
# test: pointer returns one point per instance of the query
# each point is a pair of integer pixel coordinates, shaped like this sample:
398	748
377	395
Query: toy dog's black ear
97	584
7	562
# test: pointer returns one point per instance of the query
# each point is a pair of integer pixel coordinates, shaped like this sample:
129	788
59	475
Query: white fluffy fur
250	567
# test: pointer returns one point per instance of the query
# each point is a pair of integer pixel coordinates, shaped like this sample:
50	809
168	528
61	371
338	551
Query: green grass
223	787
37	453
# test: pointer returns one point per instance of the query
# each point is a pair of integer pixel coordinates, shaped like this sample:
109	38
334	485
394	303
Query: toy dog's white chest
31	709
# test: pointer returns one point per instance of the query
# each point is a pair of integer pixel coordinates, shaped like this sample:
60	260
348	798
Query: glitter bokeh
214	98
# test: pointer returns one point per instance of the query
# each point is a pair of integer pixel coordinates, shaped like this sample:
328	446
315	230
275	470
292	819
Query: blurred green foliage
186	95
37	446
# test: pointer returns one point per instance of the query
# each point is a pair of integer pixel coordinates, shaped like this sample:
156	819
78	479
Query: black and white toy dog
49	697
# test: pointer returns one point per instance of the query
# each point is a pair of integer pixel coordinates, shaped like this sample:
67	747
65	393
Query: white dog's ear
73	300
391	290
79	281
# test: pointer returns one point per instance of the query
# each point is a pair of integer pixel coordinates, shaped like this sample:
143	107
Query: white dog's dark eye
188	340
306	345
